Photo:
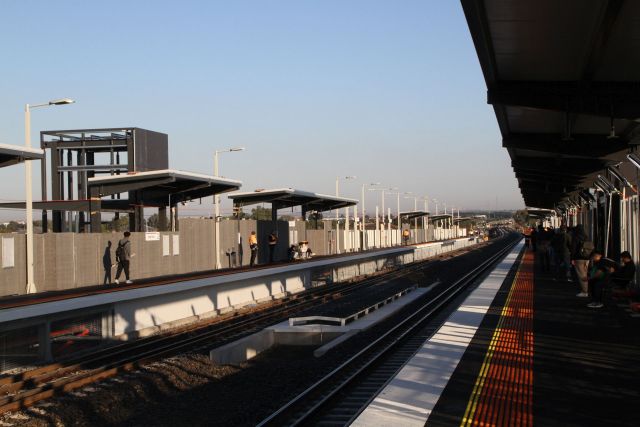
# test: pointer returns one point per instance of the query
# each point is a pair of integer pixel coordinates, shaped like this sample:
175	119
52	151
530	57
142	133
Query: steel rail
45	382
305	405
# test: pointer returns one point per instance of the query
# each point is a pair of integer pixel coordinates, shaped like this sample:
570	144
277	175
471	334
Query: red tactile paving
503	392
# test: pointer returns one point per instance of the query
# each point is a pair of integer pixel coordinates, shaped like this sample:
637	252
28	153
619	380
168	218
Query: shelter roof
540	213
558	75
13	154
440	217
414	214
162	187
465	219
289	197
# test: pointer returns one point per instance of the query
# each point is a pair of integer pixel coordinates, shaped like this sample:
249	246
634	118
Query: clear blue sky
389	91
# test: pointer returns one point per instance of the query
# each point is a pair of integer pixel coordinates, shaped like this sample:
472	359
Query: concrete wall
149	314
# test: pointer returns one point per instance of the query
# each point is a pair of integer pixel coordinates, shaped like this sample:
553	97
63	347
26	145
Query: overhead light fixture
624	181
608	184
600	187
586	196
634	159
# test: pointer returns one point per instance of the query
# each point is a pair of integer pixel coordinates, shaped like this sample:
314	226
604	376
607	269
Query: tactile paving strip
503	392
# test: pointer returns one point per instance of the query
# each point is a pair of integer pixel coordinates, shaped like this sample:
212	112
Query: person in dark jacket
273	241
625	272
123	256
600	271
561	243
107	264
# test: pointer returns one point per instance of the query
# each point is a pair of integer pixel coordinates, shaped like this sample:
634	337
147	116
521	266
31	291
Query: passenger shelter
159	188
281	198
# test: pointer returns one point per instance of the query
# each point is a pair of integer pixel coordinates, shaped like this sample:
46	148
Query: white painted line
411	396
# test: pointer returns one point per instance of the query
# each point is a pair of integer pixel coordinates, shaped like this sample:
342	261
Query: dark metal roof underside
14	154
556	73
162	187
288	197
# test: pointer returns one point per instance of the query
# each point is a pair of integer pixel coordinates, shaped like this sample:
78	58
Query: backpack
120	252
586	249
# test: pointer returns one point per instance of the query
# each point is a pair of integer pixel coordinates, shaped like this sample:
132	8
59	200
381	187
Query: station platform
522	350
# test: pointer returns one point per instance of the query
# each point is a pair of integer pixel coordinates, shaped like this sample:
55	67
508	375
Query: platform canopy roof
288	197
14	154
558	74
440	217
465	219
414	214
162	187
540	213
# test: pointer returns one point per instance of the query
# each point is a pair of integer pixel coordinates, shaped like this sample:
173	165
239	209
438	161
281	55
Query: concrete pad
242	350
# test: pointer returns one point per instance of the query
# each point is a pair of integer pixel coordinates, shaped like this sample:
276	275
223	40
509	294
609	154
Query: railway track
339	397
23	390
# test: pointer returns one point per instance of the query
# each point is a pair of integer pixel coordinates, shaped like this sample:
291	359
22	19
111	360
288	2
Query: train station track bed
189	389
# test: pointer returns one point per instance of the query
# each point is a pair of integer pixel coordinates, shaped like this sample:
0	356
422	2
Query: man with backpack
581	250
123	257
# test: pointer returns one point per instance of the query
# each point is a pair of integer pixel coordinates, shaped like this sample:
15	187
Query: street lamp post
382	190
346	209
363	226
216	201
31	286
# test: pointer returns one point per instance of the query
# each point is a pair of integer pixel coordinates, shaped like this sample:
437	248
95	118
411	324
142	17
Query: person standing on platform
581	250
253	245
561	244
123	257
107	264
273	241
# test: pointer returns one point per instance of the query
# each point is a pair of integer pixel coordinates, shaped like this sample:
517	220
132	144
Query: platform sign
176	244
8	258
165	245
152	236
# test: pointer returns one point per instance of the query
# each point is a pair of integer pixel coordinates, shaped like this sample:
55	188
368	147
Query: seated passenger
599	276
292	253
302	249
625	272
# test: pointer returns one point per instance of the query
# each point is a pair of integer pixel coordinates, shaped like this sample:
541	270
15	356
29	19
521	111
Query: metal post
31	286
398	207
377	227
216	213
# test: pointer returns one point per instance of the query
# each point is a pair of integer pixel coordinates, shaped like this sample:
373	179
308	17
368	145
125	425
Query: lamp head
634	159
61	101
237	149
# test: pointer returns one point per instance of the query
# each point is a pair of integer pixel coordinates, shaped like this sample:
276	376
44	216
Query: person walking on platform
253	245
581	249
273	241
123	257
